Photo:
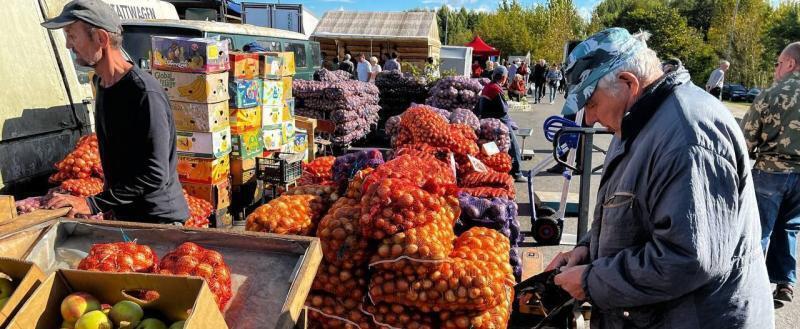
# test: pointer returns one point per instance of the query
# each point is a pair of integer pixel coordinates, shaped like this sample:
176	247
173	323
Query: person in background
717	79
539	77
374	69
487	73
516	89
674	242
384	57
562	87
553	79
392	63
773	139
512	69
134	124
493	104
364	69
477	70
524	72
431	69
346	65
671	65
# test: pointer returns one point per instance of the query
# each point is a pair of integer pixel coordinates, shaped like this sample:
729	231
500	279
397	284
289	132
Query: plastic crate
280	168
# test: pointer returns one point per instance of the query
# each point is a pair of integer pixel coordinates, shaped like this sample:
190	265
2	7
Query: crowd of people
366	69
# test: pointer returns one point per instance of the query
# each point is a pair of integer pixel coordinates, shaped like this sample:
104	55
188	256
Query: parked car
734	92
752	94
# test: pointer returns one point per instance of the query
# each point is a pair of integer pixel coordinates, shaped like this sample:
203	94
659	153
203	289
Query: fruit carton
273	137
208	145
287	63
271	115
243	171
199	170
243	93
179	298
218	194
194	87
287	132
287	87
247	144
245	119
243	65
272	93
200	117
270	65
300	145
25	278
287	111
194	55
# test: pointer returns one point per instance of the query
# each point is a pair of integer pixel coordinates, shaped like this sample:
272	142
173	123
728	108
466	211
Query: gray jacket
675	237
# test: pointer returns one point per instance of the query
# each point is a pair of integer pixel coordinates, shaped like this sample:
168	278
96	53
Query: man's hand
577	256
571	280
79	205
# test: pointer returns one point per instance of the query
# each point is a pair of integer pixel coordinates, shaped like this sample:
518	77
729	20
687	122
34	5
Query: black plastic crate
280	168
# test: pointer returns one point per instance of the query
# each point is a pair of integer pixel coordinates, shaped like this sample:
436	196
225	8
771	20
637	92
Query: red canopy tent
480	48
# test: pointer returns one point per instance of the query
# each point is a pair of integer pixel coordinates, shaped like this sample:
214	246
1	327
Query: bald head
792	51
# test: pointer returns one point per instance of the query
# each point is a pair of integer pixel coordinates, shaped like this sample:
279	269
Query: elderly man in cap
675	238
493	104
135	130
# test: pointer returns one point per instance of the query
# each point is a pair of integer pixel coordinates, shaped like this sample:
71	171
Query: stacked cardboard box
194	74
277	70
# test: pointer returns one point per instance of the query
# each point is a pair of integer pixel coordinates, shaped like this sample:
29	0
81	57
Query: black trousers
715	91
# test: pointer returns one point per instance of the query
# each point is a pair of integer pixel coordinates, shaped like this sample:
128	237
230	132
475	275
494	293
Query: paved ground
545	182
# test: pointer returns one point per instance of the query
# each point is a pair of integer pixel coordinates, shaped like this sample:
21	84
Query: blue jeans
553	91
778	196
514	150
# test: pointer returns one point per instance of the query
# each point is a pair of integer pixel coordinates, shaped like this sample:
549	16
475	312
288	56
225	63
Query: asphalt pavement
534	119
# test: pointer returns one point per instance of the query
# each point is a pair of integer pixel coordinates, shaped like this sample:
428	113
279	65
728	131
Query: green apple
126	314
178	325
151	324
6	288
94	320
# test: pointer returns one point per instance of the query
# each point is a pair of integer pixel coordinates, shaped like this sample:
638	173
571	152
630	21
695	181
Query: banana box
287	63
300	145
273	137
287	87
245	119
243	65
248	144
243	93
243	171
287	132
272	93
194	87
199	116
270	65
287	110
207	145
271	115
218	194
195	55
199	170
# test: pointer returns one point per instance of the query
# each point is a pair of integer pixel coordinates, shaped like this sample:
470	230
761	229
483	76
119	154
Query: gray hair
114	39
724	62
793	51
644	64
347	57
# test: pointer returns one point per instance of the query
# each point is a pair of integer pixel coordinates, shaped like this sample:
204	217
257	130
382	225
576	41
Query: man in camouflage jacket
772	130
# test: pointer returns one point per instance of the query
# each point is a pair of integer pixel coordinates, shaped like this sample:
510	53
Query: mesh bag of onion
287	214
120	257
396	316
192	259
346	166
340	234
432	241
432	176
341	282
328	312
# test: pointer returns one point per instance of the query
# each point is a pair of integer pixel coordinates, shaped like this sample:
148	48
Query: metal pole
585	187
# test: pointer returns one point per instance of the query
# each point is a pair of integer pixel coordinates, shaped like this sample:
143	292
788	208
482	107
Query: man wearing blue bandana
675	238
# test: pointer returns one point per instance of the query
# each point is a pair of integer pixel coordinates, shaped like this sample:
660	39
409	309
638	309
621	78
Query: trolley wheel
547	231
545	211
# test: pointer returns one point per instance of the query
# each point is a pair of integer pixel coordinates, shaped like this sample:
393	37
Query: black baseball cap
93	12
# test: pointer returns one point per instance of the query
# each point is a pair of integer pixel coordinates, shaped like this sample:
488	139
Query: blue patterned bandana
594	58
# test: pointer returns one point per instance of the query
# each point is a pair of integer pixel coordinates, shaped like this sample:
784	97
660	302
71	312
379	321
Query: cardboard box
309	125
8	209
272	93
208	145
200	117
180	298
221	218
248	144
287	111
218	194
199	170
195	55
245	119
287	63
273	137
26	277
287	133
243	171
244	93
300	145
271	115
243	65
270	65
287	87
194	87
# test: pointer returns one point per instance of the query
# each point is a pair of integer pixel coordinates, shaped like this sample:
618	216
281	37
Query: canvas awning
480	48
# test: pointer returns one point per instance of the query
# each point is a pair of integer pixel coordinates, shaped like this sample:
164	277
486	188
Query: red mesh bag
433	176
490	179
500	162
120	257
199	211
354	188
398	316
82	162
287	214
318	171
83	187
190	259
340	234
421	125
326	311
488	192
341	282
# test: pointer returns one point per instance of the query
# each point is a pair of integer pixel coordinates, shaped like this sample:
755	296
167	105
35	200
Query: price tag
490	148
477	164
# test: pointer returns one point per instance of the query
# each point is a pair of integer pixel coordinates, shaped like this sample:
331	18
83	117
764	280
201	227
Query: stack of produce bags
455	92
397	93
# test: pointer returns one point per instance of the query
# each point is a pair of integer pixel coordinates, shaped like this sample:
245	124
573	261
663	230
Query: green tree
783	28
738	29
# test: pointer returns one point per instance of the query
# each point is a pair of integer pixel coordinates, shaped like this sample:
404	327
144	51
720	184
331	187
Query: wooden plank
304	276
18	245
8	210
32	218
532	262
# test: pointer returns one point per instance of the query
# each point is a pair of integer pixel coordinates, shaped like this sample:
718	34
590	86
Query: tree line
748	33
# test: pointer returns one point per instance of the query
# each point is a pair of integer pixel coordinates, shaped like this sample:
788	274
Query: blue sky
319	7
